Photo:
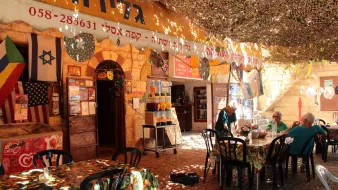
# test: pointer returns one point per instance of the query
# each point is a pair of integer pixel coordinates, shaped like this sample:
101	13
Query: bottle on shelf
162	102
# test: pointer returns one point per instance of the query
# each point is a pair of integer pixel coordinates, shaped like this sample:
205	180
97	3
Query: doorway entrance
110	107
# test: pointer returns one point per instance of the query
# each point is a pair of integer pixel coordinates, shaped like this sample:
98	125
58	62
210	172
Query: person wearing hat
225	118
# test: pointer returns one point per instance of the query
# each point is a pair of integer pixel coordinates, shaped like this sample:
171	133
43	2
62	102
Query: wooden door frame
121	129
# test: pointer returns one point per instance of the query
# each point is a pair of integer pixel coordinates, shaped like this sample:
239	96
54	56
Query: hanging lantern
310	91
328	93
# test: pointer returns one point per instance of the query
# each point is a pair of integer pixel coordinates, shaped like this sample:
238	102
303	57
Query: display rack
200	104
83	134
164	146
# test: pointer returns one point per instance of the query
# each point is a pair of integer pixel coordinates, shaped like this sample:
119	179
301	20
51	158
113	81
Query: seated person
303	132
281	126
225	118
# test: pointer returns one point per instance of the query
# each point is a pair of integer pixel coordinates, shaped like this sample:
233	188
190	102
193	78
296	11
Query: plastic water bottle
274	128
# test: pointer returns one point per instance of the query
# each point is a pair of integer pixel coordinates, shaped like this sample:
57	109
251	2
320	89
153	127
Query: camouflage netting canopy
298	30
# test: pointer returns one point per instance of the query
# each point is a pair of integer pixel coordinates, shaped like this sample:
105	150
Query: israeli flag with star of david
45	58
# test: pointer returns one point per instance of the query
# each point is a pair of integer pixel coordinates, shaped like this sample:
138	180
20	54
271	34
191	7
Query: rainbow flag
11	66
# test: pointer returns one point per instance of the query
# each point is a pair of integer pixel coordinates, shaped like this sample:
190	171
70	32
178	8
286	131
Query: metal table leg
163	143
144	152
257	180
175	151
156	144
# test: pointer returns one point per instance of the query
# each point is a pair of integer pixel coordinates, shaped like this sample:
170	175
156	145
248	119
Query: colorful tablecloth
257	151
333	130
69	176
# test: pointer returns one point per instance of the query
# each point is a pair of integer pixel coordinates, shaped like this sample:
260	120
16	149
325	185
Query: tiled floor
191	158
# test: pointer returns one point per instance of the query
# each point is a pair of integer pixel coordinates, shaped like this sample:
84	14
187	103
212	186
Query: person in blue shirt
303	132
225	118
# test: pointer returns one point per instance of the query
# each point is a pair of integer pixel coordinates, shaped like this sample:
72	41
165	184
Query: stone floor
191	158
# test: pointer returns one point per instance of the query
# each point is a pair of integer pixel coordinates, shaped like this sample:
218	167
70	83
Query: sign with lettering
182	68
120	20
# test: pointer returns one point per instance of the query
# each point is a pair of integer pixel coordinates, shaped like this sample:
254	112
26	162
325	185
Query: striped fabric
11	66
45	58
39	113
251	84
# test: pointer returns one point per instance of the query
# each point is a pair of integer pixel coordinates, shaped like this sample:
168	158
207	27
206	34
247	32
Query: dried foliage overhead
302	29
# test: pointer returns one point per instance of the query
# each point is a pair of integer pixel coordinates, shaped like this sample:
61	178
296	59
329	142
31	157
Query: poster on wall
21	107
182	69
328	83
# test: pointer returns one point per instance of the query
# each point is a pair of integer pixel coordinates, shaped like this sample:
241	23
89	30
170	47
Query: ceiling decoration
297	30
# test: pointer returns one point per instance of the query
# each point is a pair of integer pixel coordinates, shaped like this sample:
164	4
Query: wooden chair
2	169
135	155
207	135
274	157
229	161
49	155
307	156
323	174
115	177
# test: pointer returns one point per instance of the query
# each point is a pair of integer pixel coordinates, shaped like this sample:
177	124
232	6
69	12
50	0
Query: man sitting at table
303	132
281	126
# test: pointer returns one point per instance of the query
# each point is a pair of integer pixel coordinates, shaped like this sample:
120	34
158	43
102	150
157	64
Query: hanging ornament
328	93
156	59
81	47
118	42
110	75
309	69
204	69
310	92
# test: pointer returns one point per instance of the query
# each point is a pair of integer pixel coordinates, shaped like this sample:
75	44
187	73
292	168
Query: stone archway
105	56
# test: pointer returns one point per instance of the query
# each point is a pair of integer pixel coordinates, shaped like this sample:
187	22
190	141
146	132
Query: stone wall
132	61
288	104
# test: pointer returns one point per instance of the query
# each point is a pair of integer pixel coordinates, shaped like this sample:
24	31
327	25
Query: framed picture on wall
74	70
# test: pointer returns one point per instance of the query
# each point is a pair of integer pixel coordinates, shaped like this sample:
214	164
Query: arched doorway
110	107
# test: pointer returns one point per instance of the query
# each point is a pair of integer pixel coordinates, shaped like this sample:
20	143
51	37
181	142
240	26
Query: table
69	176
333	129
257	151
164	147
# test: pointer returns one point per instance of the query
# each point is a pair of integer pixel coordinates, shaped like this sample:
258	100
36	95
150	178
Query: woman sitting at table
225	118
303	132
281	126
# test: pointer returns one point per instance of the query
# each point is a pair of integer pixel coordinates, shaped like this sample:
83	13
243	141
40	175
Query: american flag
38	110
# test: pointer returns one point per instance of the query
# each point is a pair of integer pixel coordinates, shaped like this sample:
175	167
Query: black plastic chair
306	157
207	135
135	155
2	170
274	157
115	178
326	142
229	161
49	155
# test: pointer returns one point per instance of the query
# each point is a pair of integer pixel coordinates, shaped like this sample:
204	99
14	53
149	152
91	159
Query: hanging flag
45	58
37	102
38	110
11	66
9	105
